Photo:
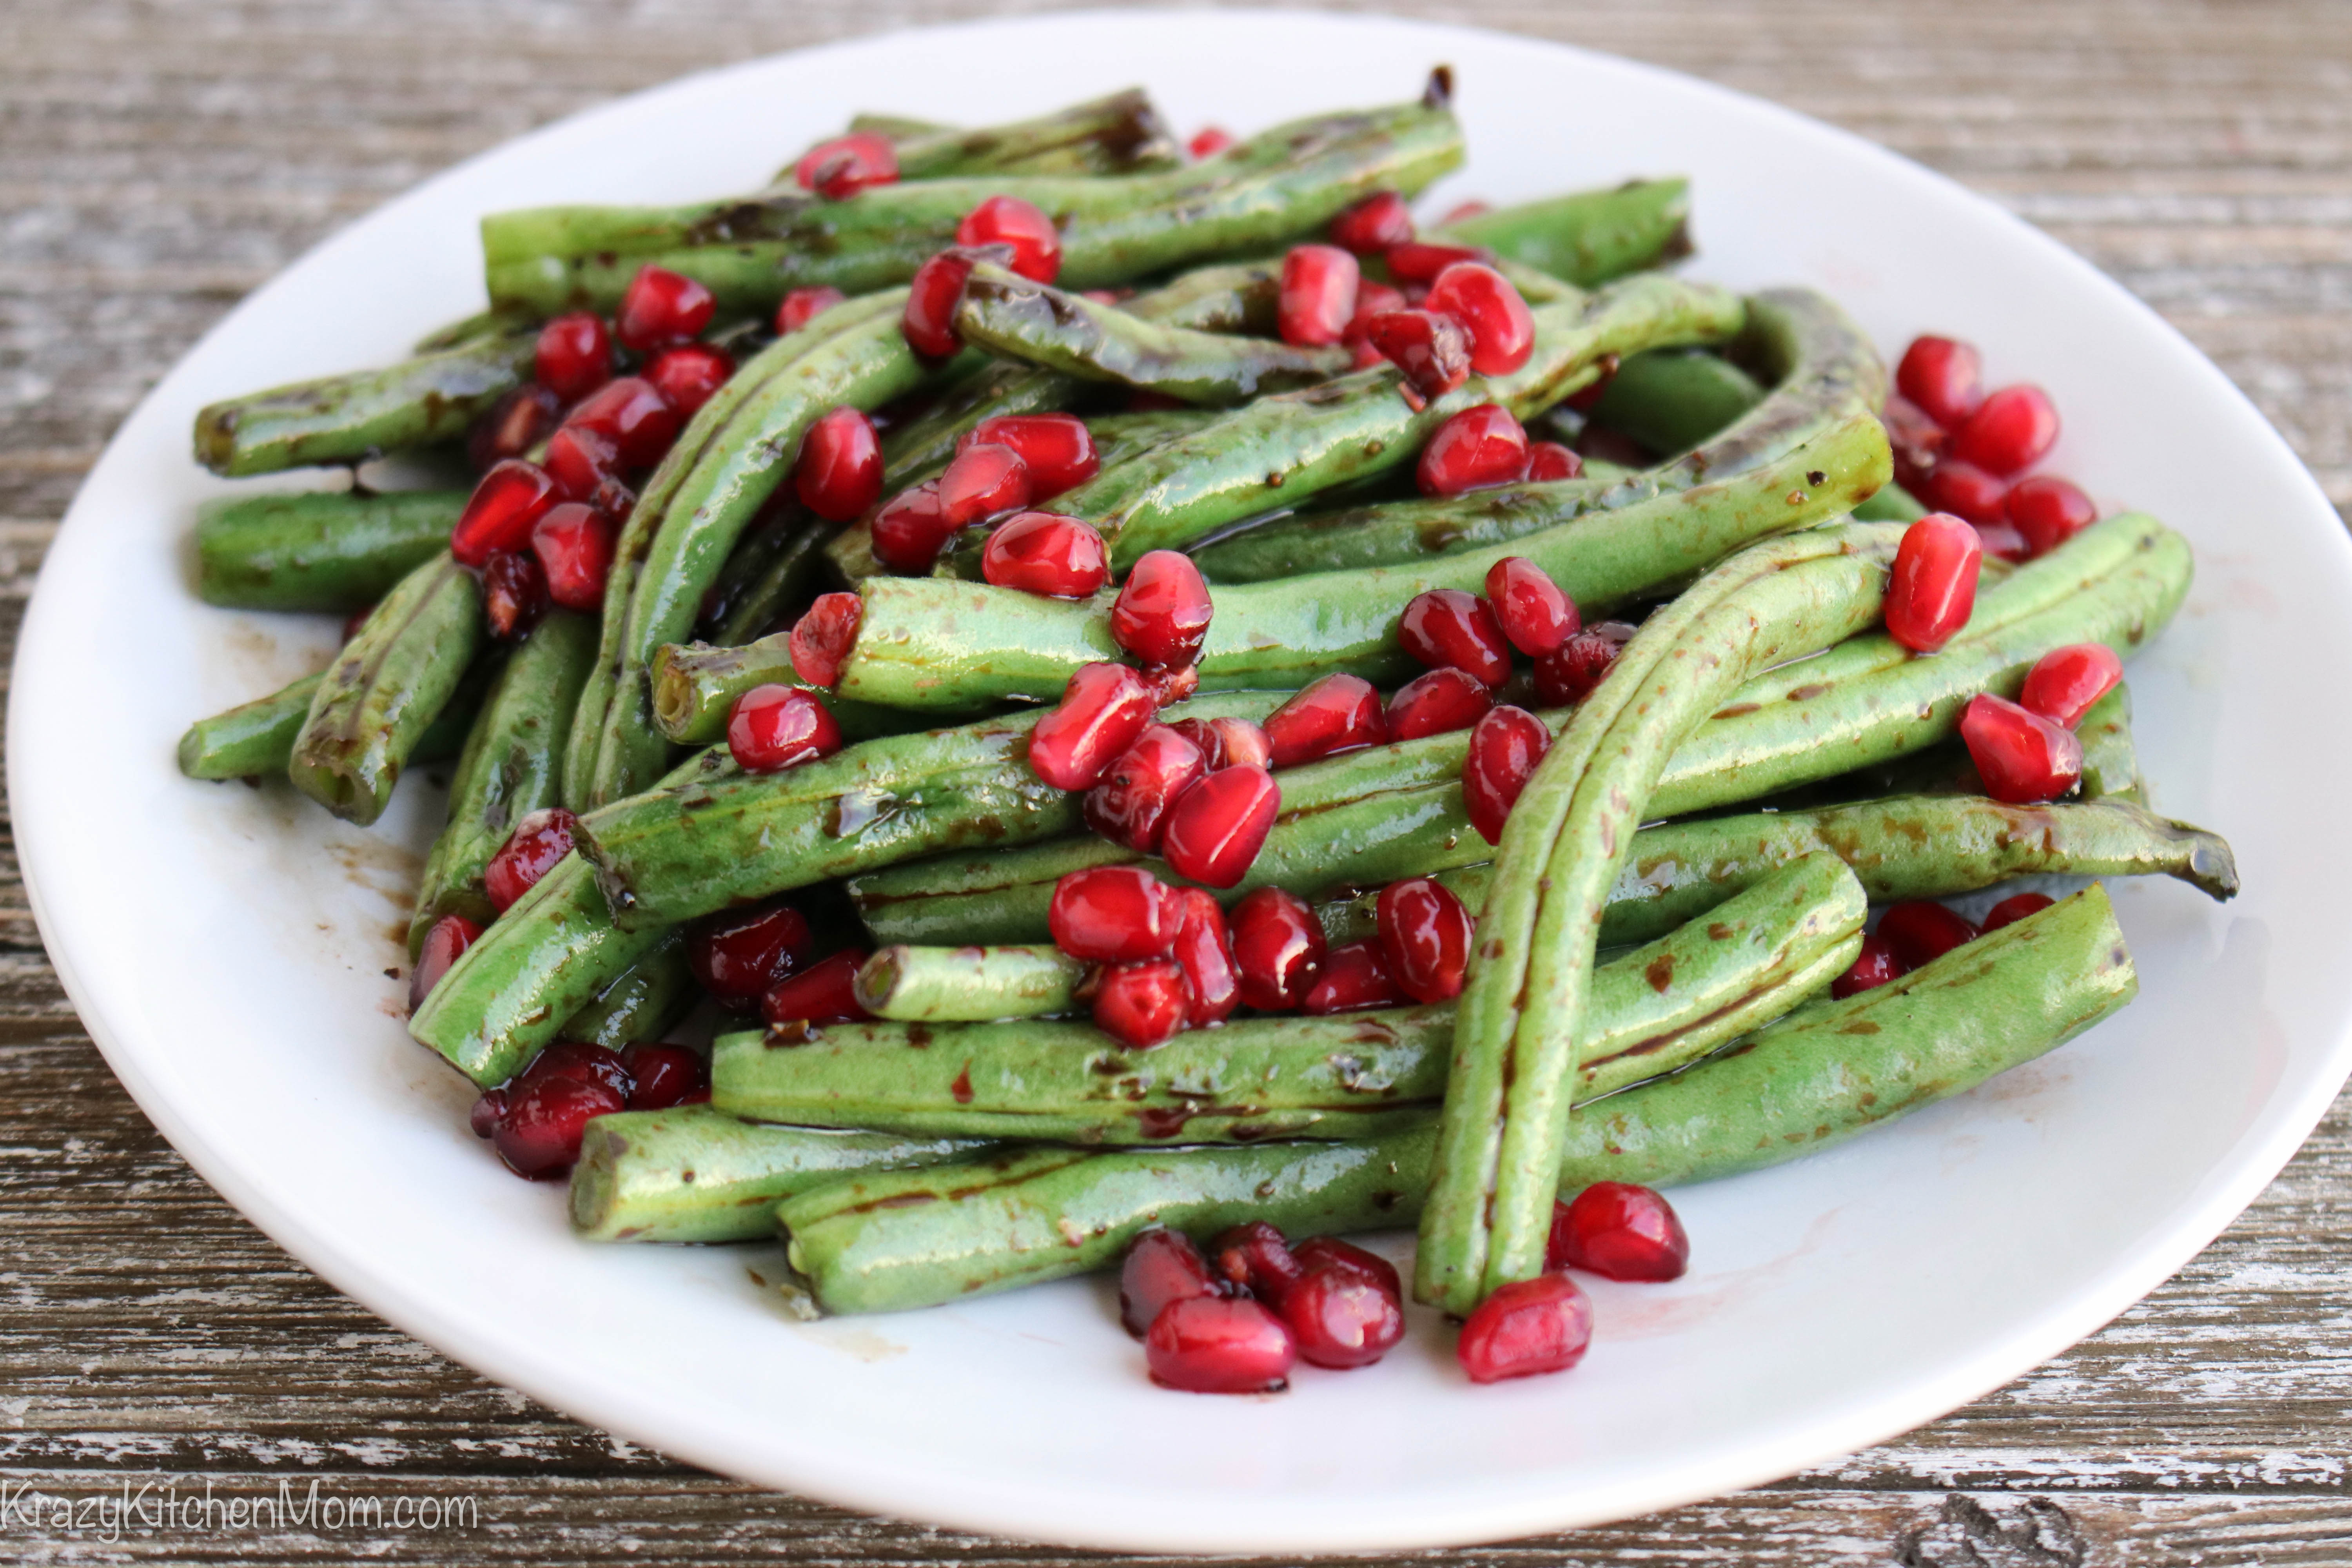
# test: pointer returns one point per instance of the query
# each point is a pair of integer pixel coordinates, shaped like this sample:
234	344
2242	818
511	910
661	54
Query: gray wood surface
158	159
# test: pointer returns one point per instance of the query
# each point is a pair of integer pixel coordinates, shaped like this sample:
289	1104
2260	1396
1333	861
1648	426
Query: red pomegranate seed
1242	743
802	306
1505	747
2015	908
1425	934
981	481
1009	220
1161	1267
1279	945
839	471
1169	687
1476	449
1586	398
1933	589
931	297
1041	553
1943	377
2065	681
1437	703
514	595
1919	932
663	1075
688	374
1129	806
539	1137
1318	295
1417	261
846	165
576	1060
1535	615
1619	1231
1254	1256
1570	672
1337	713
1525	1327
2048	511
1216	828
499	514
823	993
821	637
445	941
1142	1004
1057	449
1203	737
515	424
910	529
1549	461
1204	952
2022	757
1447	628
575	546
1502	329
1103	708
1378	223
2012	429
1112	914
634	414
1967	491
575	357
580	462
739	955
1163	612
1372	299
1355	975
660	308
1873	966
1208	142
1433	351
1331	1252
1342	1317
1918	441
1999	539
488	1112
531	851
1217	1345
774	727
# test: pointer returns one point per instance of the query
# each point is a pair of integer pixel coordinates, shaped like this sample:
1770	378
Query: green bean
251	740
959	984
2110	759
693	1173
335	550
352	418
1118	134
1824	1074
1590	237
643	1002
695	686
1670	400
471	329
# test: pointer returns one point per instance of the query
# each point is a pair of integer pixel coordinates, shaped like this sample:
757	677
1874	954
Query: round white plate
228	947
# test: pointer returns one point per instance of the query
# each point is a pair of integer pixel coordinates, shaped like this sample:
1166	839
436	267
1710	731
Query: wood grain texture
158	159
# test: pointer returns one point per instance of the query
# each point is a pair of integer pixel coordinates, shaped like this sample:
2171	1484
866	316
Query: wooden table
160	159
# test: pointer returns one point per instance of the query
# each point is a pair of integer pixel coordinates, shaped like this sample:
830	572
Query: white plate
227	947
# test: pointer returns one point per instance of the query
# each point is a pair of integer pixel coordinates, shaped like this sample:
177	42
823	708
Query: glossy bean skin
695	686
1671	400
255	739
643	1002
332	550
367	414
1118	133
1586	238
962	984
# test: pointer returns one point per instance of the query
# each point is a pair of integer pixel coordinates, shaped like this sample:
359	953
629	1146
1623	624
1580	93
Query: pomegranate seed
1057	449
1919	932
1009	220
660	308
1040	553
1619	1231
1208	142
981	481
1476	449
574	545
1130	806
1549	461
1337	713
1279	945
580	461
1873	966
1502	331
773	727
1142	1004
2048	511
1942	377
2015	908
1204	952
1437	703
1355	975
1342	1317
2012	429
1216	1344
531	851
1373	299
1161	1267
1967	491
1933	589
1433	351
1525	1327
1447	628
802	306
823	993
1169	687
634	415
1425	934
1505	747
576	1060
739	955
931	298
514	595
1586	398
1570	672
846	165
839	471
1216	828
1918	441
499	514
539	1134
1318	295
488	1112
2022	757
1331	1252
910	529
1103	708
1535	615
1112	914
663	1075
445	941
822	638
688	375
2065	681
1161	614
1378	223
1254	1256
515	424
575	357
1999	539
1242	743
1416	261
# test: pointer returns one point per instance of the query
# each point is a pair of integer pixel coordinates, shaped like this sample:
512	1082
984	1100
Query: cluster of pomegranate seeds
823	993
1476	449
1425	936
1048	554
774	727
574	356
1919	931
1337	713
445	941
846	165
802	306
661	309
1933	589
1961	450
536	1121
1505	747
1009	220
573	544
1208	142
1237	1320
740	954
1317	299
821	639
514	596
531	851
838	473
